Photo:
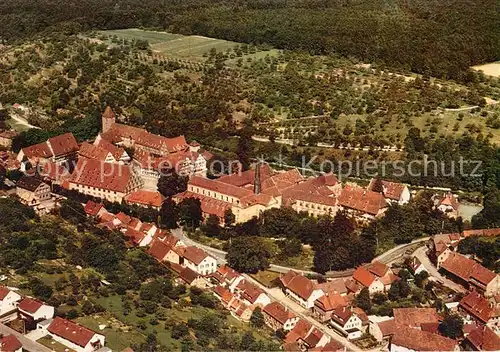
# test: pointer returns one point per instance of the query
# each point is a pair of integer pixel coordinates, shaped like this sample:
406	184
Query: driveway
432	270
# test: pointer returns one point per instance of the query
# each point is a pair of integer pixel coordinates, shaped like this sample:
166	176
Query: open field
174	45
491	69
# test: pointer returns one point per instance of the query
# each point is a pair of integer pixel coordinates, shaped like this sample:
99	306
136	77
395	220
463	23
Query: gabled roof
145	198
484	339
362	200
278	312
91	151
342	314
92	208
195	254
332	346
335	286
467	269
331	302
40	150
392	190
450	200
30	305
387	327
414	317
134	235
378	268
224	294
71	331
363	276
113	177
117	152
159	249
300	331
4	291
209	205
298	284
63	144
10	343
249	291
478	306
29	183
418	340
185	274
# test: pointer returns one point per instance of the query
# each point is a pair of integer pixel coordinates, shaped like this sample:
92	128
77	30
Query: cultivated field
174	45
491	69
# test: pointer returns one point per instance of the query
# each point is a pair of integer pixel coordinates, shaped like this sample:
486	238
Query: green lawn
138	34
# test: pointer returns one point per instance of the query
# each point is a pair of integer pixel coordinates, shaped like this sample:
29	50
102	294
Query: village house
383	273
94	209
448	204
188	277
362	204
10	343
8	300
103	180
482	338
365	278
59	149
407	339
306	336
382	328
276	316
415	317
300	289
332	346
33	311
251	294
393	192
6	138
347	322
442	246
227	277
31	190
327	304
415	266
476	309
74	336
471	274
145	198
198	260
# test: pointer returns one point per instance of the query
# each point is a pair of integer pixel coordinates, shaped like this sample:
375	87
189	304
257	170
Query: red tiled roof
195	254
63	144
387	327
248	291
224	294
114	177
450	200
414	317
10	343
333	286
467	269
144	197
91	151
221	187
71	331
419	340
227	272
133	235
30	305
8	134
278	312
331	302
4	291
362	200
185	273
298	284
478	306
246	177
378	268
363	276
300	331
117	152
209	205
40	150
92	208
159	249
342	314
484	339
332	346
392	190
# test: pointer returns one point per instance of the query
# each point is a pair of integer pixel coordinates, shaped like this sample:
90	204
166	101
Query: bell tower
108	118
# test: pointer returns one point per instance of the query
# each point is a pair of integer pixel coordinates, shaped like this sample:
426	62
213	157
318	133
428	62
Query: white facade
352	328
89	347
9	302
376	286
306	303
206	267
43	313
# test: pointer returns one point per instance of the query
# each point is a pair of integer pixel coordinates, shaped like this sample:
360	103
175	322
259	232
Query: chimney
256	183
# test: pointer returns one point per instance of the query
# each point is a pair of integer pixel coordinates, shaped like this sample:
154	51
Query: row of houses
39	316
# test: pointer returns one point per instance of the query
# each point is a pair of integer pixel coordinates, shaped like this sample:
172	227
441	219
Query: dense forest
439	38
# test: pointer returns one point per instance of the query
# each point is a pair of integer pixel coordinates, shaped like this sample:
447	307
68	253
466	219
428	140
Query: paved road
28	345
432	270
220	255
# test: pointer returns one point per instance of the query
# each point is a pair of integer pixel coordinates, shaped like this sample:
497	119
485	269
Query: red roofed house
251	294
367	279
32	310
104	180
482	339
449	205
471	274
332	346
10	343
8	300
94	209
383	272
145	198
276	316
161	248
382	329
476	308
306	336
362	204
75	336
58	149
227	277
188	276
347	322
393	192
415	317
32	190
326	305
408	339
198	260
6	138
301	289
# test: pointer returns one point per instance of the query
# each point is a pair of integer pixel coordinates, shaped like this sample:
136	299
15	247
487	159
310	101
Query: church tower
108	118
